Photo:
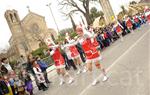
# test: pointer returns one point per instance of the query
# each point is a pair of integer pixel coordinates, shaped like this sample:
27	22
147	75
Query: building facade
108	11
26	33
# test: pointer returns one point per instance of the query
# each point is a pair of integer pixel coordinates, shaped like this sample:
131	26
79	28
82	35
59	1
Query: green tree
73	34
94	13
39	52
63	32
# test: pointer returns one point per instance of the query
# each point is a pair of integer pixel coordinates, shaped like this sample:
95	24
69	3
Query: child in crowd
28	85
20	86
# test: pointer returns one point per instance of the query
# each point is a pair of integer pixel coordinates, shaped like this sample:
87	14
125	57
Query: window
35	27
11	17
15	16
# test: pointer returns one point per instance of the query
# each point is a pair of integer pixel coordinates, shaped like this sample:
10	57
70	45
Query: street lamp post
49	5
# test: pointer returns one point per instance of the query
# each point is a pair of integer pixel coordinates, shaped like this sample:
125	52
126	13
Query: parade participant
72	51
118	28
143	18
136	20
91	32
68	59
129	24
54	51
91	52
147	13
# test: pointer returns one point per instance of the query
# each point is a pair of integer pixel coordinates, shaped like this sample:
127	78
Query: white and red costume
118	27
95	43
91	52
147	14
136	20
88	45
129	23
56	54
58	58
73	51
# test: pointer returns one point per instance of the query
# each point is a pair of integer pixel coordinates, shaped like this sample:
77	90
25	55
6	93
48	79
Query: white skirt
94	59
60	67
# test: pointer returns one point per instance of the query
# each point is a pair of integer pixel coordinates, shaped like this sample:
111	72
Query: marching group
80	53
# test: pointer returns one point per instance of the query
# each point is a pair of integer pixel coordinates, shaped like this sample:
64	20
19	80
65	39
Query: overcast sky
39	7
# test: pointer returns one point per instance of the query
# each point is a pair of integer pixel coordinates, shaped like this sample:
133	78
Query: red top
148	17
129	23
74	51
143	17
58	58
118	28
90	50
136	19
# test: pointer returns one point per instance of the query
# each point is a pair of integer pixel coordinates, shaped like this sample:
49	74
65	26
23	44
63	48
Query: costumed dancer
129	24
147	13
95	42
118	28
92	54
54	51
136	20
72	51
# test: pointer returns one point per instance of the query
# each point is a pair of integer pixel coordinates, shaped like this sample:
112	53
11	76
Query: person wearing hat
129	24
93	56
118	28
72	52
54	51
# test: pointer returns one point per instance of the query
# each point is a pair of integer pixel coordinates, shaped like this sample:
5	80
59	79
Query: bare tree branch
80	5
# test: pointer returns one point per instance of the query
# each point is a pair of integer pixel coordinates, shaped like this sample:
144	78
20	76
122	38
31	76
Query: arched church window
11	17
35	27
15	16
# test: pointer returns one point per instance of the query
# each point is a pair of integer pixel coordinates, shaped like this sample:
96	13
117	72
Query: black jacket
3	70
3	88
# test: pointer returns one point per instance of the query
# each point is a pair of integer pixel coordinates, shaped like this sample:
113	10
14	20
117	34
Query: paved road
127	65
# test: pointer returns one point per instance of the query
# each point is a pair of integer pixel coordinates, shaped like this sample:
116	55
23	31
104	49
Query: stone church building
26	33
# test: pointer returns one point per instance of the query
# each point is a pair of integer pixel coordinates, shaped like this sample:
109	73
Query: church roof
31	14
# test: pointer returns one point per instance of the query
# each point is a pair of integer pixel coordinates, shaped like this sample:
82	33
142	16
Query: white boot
84	70
79	71
105	78
61	82
71	80
94	82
